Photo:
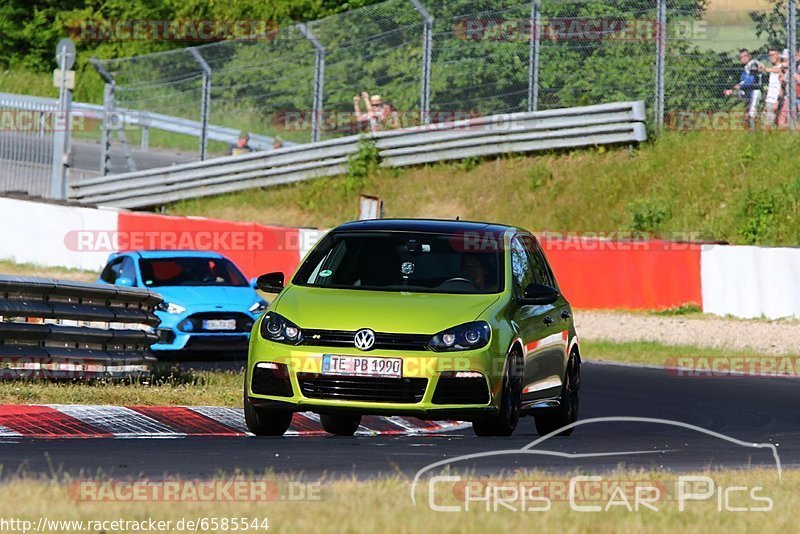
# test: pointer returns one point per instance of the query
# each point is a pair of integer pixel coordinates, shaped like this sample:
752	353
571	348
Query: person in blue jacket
750	85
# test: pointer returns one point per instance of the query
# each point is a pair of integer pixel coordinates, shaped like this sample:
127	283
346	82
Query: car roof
423	225
159	254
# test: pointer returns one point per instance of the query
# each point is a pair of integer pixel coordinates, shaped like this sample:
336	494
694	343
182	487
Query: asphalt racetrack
753	410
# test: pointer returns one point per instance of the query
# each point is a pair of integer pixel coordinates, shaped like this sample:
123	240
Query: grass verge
654	353
203	388
385	505
30	269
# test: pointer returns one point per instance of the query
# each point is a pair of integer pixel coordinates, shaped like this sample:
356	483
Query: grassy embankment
732	186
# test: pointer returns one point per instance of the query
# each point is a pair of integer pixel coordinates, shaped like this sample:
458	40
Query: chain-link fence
439	60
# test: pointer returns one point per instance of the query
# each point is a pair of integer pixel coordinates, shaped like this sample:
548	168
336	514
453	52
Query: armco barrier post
427	44
205	101
533	57
319	82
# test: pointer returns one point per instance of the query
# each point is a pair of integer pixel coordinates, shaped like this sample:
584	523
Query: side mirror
538	294
124	281
270	282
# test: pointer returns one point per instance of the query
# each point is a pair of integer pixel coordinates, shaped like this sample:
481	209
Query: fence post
661	61
319	83
427	45
108	108
791	21
533	56
205	101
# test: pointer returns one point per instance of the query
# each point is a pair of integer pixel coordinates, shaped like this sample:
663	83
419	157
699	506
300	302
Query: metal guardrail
59	329
143	119
486	136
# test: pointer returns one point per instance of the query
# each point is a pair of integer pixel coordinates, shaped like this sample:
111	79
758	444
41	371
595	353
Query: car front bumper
301	366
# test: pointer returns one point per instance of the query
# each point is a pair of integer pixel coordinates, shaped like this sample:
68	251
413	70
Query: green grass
181	388
731	186
654	353
30	269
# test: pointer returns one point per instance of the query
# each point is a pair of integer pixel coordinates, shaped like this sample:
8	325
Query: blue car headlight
277	328
259	306
171	307
467	336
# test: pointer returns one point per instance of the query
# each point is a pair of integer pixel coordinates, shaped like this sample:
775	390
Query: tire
340	424
567	412
506	420
264	421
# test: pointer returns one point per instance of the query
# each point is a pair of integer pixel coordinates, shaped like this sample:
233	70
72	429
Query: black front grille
383	341
273	382
243	322
451	390
217	343
367	389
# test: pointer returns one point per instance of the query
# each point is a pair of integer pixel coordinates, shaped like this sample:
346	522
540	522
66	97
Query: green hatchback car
424	318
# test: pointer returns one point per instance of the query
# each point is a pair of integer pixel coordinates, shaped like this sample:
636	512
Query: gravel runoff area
761	336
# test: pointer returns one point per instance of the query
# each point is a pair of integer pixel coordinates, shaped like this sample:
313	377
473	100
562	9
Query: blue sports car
209	306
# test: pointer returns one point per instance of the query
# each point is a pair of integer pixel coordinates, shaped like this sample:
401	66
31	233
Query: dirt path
761	336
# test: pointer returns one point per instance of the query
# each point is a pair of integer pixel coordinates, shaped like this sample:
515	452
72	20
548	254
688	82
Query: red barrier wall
255	248
593	274
635	275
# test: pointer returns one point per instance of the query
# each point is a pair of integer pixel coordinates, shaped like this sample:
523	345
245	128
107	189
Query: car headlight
467	336
171	307
277	328
259	306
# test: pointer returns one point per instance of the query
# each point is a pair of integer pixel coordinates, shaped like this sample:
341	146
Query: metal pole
108	109
792	44
427	46
58	176
661	61
319	83
533	56
205	101
105	138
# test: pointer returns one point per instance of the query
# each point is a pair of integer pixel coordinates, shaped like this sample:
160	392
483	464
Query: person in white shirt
772	102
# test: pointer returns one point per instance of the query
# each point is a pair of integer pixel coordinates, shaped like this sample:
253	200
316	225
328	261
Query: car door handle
548	320
565	314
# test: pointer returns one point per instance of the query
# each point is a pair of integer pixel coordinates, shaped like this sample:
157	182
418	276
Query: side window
540	271
111	272
520	267
127	269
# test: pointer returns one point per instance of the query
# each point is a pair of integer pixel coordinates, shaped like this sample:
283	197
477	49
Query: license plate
362	366
219	324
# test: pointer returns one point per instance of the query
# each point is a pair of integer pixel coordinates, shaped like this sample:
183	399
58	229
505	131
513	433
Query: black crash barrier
64	330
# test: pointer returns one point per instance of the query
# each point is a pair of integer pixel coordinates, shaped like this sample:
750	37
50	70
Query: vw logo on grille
364	339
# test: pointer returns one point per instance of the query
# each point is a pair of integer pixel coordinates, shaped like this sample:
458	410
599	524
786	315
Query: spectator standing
749	86
379	115
242	145
772	101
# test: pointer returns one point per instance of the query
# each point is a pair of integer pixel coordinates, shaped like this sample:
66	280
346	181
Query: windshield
190	272
405	261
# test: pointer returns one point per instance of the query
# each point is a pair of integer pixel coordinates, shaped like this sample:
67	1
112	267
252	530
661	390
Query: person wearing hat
241	146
